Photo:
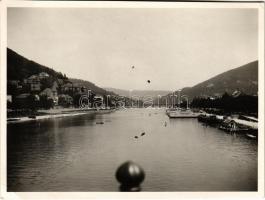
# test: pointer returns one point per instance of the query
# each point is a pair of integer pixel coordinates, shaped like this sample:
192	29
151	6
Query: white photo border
4	5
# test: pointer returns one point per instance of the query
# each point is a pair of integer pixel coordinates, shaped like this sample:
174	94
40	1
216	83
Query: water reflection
76	154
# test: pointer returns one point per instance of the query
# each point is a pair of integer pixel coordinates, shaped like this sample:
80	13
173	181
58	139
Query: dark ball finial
130	175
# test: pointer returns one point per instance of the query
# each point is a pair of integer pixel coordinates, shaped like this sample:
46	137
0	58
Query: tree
46	102
33	102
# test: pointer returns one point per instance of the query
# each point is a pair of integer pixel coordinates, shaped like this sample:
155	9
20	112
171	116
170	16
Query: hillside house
34	82
66	87
43	75
65	100
72	88
51	93
14	83
14	87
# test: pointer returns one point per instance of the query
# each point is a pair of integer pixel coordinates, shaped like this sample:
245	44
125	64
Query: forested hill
19	67
140	93
91	86
244	79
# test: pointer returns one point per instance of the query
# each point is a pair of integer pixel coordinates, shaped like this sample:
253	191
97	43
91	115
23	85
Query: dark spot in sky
165	123
148	81
143	133
132	67
136	137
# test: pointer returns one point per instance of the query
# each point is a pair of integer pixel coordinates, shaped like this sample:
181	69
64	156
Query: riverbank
56	113
233	124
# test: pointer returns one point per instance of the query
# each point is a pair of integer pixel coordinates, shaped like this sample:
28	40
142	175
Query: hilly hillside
140	93
244	78
19	68
91	86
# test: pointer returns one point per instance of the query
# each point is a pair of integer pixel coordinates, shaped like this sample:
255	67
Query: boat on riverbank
252	136
13	119
210	119
230	124
179	112
182	113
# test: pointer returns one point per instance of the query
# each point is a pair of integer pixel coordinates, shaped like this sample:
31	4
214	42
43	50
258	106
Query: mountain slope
140	93
19	68
91	86
244	78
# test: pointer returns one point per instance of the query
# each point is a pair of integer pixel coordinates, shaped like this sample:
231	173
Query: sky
171	47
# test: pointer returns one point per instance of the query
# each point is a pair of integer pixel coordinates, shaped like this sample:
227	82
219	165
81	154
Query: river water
78	154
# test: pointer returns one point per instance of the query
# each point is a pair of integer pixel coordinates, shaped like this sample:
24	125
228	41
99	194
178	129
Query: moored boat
251	136
179	112
229	125
182	113
13	119
210	119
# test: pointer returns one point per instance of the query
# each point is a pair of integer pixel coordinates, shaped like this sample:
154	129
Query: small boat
248	118
13	119
251	136
179	112
229	125
209	119
182	113
170	110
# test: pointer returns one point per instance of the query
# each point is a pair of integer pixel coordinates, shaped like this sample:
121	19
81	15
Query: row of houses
34	82
59	89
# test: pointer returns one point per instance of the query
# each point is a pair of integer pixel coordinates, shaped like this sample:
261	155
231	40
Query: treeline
79	100
229	104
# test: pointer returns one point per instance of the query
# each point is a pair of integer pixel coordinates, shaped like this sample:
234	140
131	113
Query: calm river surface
76	154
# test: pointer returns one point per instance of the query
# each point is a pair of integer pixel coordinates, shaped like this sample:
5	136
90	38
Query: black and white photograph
133	99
